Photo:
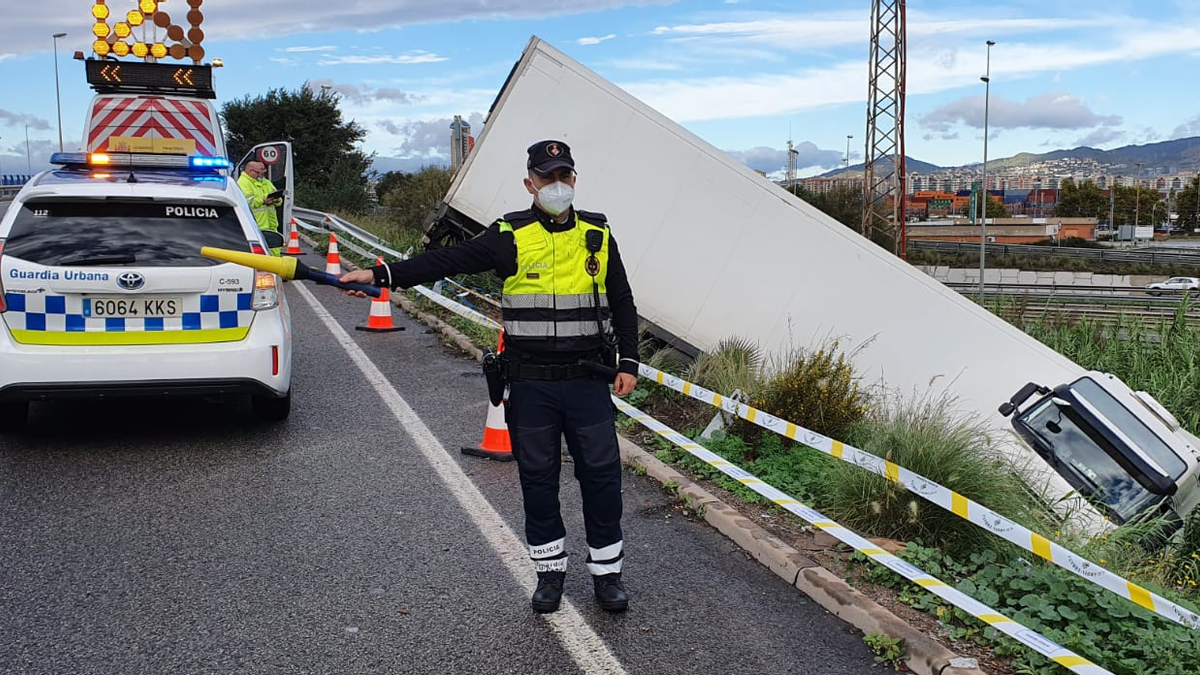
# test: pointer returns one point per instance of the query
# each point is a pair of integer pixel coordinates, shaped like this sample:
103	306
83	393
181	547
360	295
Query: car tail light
3	304
266	291
256	247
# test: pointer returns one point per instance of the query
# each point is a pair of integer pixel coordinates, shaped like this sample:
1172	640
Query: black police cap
546	157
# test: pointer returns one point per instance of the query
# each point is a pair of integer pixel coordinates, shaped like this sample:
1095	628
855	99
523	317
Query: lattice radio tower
883	167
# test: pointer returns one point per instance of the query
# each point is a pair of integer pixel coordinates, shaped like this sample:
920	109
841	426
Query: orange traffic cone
293	247
380	318
333	261
496	443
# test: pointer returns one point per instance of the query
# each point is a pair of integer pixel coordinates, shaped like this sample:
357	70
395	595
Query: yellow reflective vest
556	301
256	191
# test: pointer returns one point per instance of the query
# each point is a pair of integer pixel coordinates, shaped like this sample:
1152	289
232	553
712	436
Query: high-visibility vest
256	191
550	304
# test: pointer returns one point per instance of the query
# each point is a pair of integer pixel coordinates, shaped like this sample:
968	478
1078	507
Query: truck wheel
13	415
270	408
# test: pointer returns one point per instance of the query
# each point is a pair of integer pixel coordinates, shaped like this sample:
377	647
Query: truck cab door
277	157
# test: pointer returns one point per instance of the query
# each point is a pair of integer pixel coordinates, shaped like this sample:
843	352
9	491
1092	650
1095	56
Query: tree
995	209
1081	201
414	196
1187	207
842	203
388	182
326	157
1134	205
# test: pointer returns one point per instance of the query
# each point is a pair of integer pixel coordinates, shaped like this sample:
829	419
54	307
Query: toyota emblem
131	281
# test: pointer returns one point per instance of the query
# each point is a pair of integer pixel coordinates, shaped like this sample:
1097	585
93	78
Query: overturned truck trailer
713	249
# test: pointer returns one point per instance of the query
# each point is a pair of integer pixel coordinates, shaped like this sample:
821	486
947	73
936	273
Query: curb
923	655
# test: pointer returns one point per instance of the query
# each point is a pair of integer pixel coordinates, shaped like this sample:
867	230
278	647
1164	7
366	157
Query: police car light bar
138	159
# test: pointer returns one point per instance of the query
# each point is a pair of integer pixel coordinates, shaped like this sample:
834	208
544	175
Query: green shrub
734	365
927	436
818	390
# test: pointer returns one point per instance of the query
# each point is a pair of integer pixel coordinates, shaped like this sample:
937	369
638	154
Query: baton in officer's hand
288	268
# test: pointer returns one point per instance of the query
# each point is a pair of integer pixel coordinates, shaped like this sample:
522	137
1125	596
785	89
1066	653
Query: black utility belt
582	369
553	372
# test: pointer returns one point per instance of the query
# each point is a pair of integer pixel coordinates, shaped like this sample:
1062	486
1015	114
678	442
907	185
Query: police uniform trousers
539	413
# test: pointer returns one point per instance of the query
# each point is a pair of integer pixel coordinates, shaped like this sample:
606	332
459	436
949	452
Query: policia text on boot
570	328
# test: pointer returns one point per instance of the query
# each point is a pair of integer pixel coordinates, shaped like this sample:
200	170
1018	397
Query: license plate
117	307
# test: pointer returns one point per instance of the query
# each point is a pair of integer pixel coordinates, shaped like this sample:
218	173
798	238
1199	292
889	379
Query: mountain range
1181	155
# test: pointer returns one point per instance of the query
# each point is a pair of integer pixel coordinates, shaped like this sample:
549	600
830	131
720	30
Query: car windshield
1085	465
115	233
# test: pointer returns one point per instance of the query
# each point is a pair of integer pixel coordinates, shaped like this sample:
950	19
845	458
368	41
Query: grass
930	437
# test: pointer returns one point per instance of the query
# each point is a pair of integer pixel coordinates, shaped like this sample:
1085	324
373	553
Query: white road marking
586	648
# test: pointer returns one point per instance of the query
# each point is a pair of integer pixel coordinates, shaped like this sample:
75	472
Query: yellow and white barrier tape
1028	637
942	496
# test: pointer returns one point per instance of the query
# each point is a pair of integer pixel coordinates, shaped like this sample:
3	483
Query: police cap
546	157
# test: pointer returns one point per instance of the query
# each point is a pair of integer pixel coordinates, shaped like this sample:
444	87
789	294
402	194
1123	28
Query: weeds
888	650
927	436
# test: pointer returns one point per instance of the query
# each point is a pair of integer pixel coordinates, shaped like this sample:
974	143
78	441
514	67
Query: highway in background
179	536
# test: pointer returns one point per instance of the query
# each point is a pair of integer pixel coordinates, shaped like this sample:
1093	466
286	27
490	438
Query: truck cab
1118	448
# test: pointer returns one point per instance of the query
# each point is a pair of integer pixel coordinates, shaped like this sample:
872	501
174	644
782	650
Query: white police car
103	291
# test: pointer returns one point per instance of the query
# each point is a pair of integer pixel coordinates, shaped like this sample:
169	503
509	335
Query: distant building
461	142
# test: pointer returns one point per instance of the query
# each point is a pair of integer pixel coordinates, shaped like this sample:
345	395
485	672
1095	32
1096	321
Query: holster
496	376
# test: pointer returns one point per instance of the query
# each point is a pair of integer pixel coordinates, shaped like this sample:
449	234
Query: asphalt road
180	536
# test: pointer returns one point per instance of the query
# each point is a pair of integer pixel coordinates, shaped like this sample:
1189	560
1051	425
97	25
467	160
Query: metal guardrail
1153	255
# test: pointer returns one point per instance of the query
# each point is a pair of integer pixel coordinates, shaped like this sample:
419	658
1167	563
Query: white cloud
227	18
595	40
364	94
284	61
325	48
13	119
1052	110
399	59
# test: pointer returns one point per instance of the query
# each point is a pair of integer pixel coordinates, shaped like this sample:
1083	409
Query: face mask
556	197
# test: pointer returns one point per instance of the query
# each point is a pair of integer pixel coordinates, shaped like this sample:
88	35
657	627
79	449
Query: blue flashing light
210	163
69	158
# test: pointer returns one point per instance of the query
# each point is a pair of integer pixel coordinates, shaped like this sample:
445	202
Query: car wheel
13	415
1154	293
270	408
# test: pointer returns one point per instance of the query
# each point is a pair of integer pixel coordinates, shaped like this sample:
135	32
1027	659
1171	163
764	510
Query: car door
277	157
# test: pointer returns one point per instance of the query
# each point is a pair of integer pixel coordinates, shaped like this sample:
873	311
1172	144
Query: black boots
549	592
610	592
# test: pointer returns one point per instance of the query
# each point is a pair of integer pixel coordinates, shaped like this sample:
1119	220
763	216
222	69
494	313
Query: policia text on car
570	328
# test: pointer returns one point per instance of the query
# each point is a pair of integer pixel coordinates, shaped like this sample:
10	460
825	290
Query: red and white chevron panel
152	117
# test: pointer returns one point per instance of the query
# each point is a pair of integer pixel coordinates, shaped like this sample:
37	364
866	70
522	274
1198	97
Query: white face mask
556	197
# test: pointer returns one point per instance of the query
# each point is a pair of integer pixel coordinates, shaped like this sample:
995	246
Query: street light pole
1137	199
57	94
848	137
987	80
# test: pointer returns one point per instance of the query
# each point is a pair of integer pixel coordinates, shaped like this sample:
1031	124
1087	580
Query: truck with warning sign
167	109
713	249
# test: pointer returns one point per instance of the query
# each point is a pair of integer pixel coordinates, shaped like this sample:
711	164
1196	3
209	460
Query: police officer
567	307
258	188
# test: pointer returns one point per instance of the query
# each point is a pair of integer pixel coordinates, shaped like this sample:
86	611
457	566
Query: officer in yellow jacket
257	188
570	330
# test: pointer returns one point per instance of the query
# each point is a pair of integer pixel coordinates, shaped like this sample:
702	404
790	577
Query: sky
745	75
